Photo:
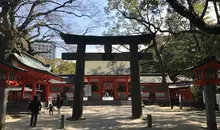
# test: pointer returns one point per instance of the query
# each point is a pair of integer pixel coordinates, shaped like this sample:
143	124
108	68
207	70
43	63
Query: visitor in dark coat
34	107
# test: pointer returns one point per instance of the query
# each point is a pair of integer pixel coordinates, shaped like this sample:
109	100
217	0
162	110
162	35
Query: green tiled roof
12	66
31	62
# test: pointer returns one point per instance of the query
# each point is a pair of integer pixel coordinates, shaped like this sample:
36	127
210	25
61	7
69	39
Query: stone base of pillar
211	124
210	107
2	127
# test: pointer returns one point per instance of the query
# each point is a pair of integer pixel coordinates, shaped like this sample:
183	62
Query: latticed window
68	89
95	87
2	75
121	87
12	76
199	74
56	89
160	89
218	74
210	73
146	88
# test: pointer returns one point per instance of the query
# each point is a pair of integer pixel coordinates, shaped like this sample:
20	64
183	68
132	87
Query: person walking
50	108
34	107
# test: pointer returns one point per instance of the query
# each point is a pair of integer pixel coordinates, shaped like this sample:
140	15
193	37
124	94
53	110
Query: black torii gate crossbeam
125	56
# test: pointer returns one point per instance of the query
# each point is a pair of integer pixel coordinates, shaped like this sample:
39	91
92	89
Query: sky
79	25
83	23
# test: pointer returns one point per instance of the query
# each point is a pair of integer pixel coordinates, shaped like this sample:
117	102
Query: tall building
44	47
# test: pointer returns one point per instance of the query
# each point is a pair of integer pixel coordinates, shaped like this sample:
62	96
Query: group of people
108	93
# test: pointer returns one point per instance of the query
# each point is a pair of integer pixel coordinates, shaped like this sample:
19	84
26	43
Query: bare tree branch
32	16
29	17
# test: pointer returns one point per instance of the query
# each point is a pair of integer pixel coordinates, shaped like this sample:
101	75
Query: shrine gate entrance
133	56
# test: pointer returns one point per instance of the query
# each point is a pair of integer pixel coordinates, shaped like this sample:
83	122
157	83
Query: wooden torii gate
133	56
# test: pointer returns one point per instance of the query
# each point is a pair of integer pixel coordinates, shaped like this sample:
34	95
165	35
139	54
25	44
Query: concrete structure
44	47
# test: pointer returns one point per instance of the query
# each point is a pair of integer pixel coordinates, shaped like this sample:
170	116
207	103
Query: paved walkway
118	117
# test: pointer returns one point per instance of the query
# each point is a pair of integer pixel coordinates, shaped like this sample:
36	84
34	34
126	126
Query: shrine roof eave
12	66
30	62
203	62
104	40
107	75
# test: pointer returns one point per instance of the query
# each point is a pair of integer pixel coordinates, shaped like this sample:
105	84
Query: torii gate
133	56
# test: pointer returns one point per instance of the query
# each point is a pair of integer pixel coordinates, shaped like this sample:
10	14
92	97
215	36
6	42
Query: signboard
203	95
218	98
88	90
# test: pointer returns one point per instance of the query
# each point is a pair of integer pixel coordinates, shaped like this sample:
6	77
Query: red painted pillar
22	91
47	91
88	80
115	87
203	74
33	89
127	88
100	88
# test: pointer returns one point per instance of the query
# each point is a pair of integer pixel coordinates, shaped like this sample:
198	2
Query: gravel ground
117	117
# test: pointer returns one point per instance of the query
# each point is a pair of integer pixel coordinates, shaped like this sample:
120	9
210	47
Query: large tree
178	45
187	9
141	17
25	22
60	66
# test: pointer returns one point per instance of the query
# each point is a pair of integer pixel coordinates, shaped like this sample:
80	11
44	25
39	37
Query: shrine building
114	77
25	76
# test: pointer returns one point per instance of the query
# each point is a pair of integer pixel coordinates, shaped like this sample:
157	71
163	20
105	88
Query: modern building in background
44	47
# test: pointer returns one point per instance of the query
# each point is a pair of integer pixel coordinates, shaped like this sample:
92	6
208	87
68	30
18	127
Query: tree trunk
3	105
79	83
162	69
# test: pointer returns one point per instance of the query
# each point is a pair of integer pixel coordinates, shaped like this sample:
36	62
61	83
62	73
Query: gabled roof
203	62
182	78
30	62
179	86
67	79
12	66
107	68
26	89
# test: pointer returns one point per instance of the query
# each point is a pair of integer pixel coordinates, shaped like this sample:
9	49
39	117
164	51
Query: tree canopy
188	9
178	45
59	66
25	22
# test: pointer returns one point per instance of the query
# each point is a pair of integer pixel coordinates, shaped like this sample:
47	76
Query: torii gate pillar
79	83
135	82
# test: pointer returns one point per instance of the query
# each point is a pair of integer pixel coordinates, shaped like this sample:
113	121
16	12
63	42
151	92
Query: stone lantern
207	75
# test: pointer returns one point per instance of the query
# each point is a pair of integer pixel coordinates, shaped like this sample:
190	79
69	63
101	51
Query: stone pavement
117	117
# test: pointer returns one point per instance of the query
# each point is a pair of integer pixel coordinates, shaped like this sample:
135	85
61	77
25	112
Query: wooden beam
103	56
